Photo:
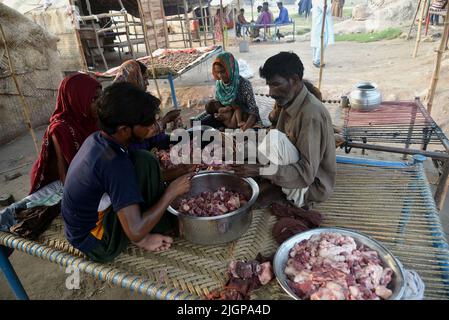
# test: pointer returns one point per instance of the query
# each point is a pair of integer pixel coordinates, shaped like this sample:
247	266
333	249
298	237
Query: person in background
266	7
304	7
232	90
318	15
265	19
241	21
218	24
337	8
113	196
283	15
282	19
136	73
73	120
437	5
255	30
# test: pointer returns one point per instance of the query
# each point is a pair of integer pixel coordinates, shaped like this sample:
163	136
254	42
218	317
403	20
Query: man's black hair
242	10
123	104
280	2
284	64
143	68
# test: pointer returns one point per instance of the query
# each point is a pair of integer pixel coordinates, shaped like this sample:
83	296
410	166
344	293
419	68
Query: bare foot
155	242
241	123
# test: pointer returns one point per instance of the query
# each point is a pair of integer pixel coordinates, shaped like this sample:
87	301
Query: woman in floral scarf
233	93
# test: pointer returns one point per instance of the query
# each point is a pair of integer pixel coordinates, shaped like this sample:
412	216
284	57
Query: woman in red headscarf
73	120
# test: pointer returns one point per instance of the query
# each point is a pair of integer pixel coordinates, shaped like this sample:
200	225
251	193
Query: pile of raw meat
210	204
166	163
331	266
244	276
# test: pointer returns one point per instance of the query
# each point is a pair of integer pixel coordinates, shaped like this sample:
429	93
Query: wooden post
78	40
154	25
147	44
203	22
142	23
436	71
418	36
96	36
26	108
414	19
322	45
252	10
222	24
187	22
182	26
164	23
130	45
442	187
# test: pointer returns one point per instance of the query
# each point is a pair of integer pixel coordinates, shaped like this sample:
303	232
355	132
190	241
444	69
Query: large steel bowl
365	96
397	285
218	229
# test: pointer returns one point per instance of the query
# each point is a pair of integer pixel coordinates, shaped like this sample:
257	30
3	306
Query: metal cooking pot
365	96
217	229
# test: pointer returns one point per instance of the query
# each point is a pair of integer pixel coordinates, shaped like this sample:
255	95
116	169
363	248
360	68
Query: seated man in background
283	15
241	21
113	196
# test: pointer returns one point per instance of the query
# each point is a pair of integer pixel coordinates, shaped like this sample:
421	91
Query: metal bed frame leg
173	92
11	276
440	193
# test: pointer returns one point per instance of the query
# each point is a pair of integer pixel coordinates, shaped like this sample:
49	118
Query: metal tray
397	285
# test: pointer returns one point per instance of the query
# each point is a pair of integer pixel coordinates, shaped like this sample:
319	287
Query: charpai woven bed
391	202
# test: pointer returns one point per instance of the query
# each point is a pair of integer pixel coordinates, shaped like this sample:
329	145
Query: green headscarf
226	93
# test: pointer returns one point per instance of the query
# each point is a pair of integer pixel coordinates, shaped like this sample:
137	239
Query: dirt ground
388	63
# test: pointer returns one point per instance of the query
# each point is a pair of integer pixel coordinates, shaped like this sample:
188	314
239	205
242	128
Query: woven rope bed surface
392	205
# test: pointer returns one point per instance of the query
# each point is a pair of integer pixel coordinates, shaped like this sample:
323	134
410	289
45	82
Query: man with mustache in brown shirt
304	148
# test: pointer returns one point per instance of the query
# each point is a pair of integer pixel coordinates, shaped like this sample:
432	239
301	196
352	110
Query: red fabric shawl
71	123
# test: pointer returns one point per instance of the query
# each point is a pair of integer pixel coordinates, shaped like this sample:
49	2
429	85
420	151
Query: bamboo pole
26	108
413	21
187	22
222	24
252	10
154	25
322	45
436	71
130	45
97	39
164	23
182	25
147	45
142	22
203	22
78	41
418	36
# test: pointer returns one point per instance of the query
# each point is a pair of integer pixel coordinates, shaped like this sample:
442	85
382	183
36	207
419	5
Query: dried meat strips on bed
244	277
293	220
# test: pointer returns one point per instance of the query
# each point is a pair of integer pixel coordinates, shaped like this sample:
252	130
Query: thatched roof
35	60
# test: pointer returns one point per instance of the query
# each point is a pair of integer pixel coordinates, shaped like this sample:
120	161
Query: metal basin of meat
217	229
397	284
